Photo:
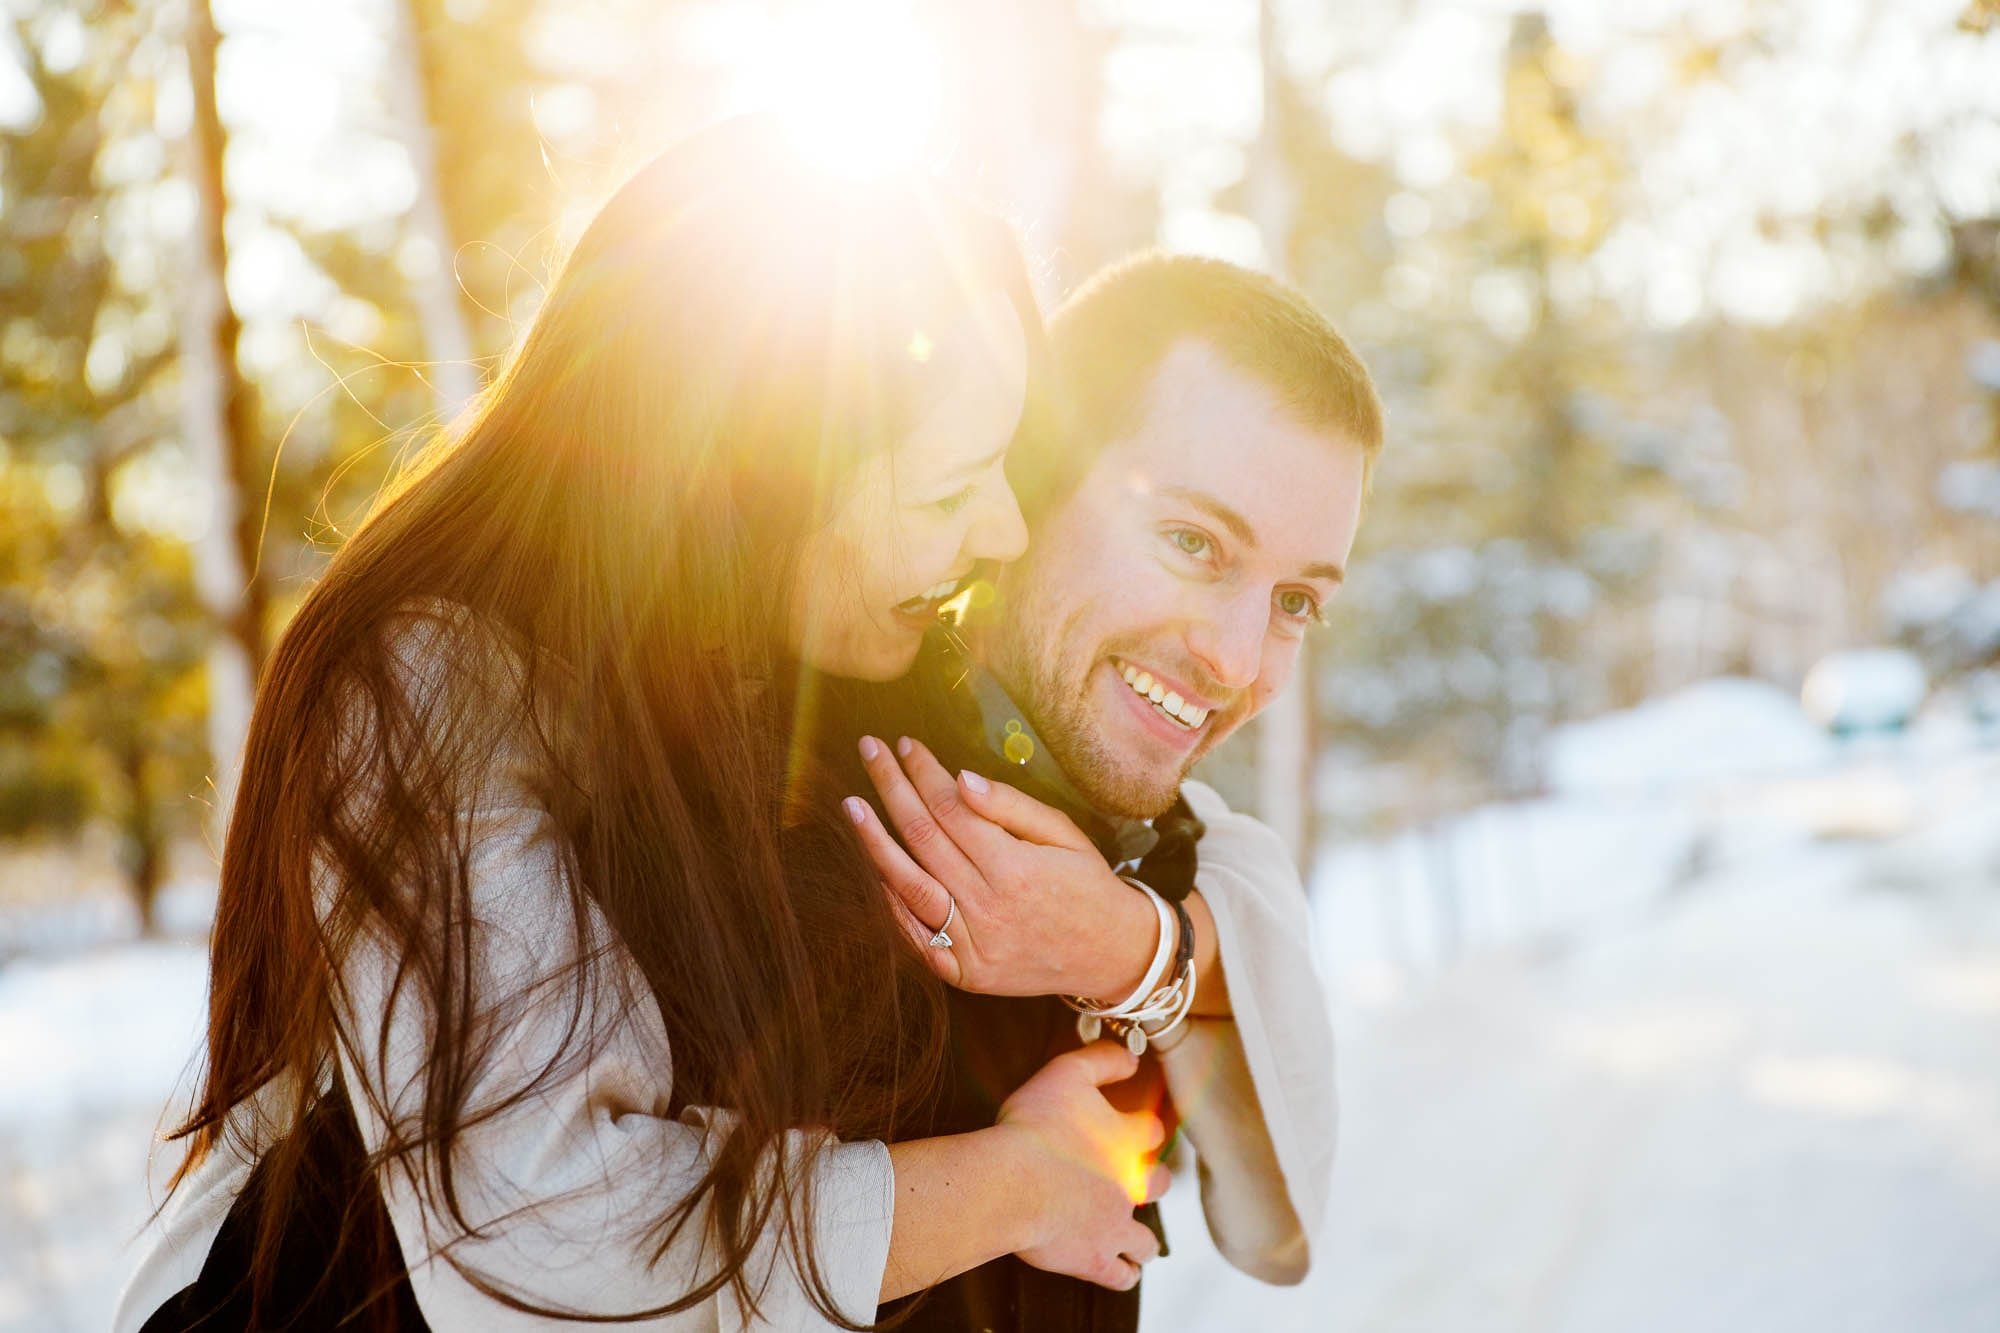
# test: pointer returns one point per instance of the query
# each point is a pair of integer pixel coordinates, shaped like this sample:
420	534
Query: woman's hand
1038	911
1095	1165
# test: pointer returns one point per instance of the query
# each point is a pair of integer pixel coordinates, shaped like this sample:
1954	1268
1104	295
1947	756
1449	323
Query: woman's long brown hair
607	543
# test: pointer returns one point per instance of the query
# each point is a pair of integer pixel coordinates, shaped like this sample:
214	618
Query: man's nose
1000	533
1228	638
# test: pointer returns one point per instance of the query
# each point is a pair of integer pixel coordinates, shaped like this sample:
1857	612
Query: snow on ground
90	1046
1715	1050
1773	1104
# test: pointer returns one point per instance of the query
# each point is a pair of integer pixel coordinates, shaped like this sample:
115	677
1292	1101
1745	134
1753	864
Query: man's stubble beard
1048	675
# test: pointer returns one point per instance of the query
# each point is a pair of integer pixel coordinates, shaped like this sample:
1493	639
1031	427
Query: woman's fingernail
903	747
856	809
974	781
870	747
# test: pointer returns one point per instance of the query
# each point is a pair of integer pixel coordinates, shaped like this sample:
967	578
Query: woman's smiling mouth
924	606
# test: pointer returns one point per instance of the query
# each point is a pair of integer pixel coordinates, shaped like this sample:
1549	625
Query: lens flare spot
974	596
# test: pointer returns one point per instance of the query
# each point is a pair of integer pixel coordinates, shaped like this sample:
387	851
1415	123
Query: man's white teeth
1168	702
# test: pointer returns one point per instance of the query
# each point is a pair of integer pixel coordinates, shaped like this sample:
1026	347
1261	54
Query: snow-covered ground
1708	1039
90	1047
1771	1104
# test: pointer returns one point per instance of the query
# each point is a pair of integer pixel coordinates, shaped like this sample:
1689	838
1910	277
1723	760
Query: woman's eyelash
957	500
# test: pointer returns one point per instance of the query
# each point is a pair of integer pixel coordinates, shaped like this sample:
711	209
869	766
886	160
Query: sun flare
856	86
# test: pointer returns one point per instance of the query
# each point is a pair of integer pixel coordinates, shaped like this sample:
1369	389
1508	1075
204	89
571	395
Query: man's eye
1189	541
1298	605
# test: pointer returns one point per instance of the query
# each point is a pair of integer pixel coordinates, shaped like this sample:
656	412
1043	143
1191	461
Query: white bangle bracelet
1149	983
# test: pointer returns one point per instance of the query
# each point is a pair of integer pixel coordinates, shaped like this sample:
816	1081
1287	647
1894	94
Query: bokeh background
1647	783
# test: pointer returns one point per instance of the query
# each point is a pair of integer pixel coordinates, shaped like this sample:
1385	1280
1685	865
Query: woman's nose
1000	534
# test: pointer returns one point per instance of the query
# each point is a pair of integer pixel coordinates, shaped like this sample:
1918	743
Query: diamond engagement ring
942	940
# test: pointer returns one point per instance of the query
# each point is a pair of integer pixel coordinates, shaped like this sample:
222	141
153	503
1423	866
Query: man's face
1188	563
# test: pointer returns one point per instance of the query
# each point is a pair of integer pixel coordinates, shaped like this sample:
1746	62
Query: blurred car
1865	690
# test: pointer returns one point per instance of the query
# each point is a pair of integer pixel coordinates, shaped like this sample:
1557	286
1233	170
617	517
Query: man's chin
1078	719
1126	791
1134	774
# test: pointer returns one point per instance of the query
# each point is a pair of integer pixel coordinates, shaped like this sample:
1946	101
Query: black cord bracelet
1183	951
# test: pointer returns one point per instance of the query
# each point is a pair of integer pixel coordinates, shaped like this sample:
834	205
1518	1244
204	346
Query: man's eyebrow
1331	573
1239	528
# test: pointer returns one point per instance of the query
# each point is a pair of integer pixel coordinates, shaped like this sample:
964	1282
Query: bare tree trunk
1285	731
454	377
142	852
141	840
219	416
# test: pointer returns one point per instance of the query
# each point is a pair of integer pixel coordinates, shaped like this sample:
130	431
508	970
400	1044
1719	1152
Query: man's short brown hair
1107	341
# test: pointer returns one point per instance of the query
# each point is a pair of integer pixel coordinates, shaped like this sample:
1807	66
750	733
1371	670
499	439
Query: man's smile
1177	703
1179	731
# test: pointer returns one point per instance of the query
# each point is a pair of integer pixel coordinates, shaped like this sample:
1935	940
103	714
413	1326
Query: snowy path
1772	1105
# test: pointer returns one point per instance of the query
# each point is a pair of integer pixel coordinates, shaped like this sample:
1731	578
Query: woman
539	969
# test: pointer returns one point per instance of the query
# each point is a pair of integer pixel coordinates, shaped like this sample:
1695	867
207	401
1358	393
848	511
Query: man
1192	513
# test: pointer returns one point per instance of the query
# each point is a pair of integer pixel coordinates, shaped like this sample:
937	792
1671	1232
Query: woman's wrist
963	1200
1020	1161
1133	938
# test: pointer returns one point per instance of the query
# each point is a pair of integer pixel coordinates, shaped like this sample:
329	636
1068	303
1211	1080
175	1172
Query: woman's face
919	515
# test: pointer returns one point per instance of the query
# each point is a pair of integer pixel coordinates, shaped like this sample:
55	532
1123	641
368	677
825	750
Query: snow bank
1719	729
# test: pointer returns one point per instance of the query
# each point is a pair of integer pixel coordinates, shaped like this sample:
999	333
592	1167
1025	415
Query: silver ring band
942	940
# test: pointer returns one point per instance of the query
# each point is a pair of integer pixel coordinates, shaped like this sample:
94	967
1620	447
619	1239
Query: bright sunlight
857	86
